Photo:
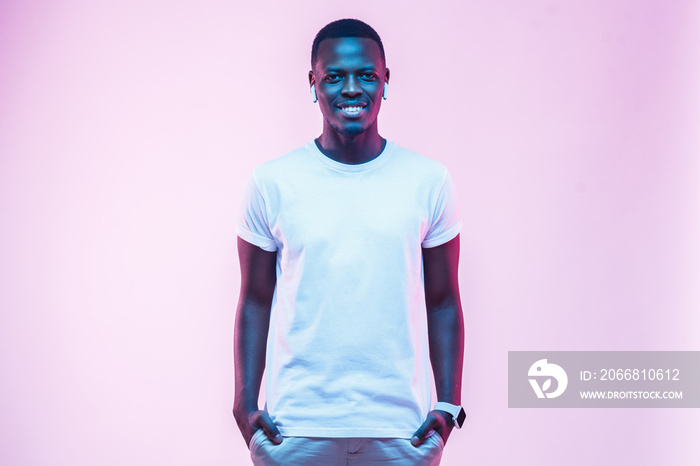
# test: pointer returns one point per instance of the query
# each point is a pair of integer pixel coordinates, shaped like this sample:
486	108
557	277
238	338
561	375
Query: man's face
349	76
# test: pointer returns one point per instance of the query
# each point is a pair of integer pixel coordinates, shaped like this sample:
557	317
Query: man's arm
258	277
445	333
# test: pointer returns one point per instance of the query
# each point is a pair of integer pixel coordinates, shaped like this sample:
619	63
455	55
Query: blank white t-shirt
347	351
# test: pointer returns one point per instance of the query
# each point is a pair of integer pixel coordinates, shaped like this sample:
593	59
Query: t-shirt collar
351	168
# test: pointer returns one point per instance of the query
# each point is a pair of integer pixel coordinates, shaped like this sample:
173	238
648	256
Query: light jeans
305	451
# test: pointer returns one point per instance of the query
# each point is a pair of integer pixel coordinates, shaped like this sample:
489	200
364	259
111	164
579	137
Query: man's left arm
445	333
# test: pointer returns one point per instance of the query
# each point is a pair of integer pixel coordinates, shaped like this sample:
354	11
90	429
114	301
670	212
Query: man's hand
439	421
248	423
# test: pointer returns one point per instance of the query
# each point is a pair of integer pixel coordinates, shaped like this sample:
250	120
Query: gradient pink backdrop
127	128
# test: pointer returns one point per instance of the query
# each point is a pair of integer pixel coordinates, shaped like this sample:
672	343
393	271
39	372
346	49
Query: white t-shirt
347	351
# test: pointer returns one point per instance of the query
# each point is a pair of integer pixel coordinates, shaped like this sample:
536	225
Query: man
349	249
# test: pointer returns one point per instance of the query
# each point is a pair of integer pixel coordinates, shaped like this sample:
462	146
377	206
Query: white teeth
352	109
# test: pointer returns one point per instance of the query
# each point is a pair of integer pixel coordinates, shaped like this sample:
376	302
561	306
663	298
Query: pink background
127	128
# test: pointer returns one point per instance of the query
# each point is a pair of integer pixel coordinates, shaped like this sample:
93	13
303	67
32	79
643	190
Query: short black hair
345	28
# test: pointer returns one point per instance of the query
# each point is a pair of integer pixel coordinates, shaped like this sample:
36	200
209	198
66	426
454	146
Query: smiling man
349	249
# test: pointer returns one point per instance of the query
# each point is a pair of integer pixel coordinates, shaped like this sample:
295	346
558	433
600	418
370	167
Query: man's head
348	75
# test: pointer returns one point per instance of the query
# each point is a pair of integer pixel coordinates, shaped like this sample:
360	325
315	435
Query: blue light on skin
349	77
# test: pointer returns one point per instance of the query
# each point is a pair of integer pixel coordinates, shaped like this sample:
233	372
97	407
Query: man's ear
386	76
312	80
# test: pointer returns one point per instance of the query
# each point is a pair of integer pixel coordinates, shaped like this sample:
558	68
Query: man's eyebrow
332	69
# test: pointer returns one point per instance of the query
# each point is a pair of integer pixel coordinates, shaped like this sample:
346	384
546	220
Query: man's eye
332	78
369	76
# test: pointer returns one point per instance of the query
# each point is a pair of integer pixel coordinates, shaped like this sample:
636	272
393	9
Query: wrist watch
457	412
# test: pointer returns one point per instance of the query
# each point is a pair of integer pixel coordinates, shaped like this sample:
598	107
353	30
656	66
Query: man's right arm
258	277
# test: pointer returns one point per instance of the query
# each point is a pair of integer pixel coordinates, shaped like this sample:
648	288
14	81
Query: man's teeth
352	109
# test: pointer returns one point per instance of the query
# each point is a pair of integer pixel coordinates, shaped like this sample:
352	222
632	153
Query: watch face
459	420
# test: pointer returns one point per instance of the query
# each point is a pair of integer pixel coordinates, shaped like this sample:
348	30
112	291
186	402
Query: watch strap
456	411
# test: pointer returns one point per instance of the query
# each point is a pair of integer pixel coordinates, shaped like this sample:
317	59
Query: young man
349	248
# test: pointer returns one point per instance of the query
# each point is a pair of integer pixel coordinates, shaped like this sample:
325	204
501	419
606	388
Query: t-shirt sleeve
252	224
446	218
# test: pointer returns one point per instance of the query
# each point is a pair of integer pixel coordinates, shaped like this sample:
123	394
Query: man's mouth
351	110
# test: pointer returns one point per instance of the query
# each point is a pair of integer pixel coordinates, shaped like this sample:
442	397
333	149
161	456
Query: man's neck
351	150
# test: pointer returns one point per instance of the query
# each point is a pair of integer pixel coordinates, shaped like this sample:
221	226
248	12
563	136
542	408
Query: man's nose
351	87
